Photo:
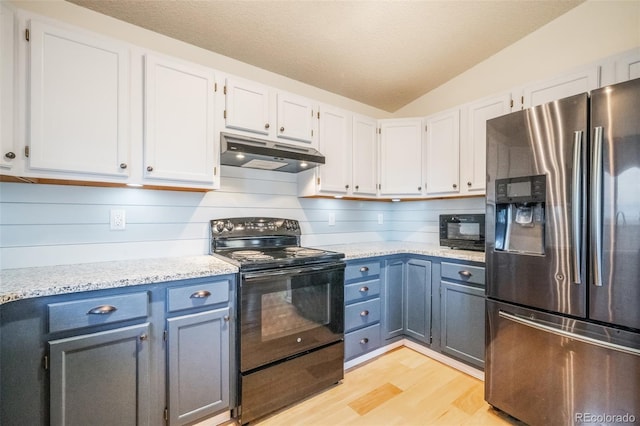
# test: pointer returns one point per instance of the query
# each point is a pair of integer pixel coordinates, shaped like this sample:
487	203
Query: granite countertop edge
25	283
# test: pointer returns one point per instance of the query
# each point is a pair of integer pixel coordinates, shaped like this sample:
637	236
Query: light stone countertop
386	248
24	283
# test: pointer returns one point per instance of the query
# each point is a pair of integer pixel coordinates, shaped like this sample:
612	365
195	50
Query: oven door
286	312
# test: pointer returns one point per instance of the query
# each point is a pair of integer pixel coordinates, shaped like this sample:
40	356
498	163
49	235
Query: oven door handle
292	271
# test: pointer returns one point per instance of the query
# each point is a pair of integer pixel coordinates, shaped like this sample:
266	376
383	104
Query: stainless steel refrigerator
563	260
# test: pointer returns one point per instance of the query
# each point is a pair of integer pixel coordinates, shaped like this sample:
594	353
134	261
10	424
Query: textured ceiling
382	53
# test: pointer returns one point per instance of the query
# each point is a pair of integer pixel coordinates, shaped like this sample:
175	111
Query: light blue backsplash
42	225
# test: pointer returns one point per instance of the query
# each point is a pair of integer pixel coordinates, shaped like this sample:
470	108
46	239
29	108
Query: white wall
44	225
591	31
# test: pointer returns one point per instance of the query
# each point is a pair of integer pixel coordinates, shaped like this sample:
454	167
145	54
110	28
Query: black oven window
463	231
297	309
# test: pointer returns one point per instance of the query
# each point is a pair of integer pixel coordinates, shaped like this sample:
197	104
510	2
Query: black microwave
462	231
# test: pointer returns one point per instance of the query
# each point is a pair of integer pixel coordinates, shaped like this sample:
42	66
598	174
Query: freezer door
615	205
549	141
550	370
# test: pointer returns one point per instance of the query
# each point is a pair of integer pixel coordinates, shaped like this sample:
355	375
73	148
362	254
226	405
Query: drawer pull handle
364	269
102	310
364	341
364	289
200	294
364	313
465	274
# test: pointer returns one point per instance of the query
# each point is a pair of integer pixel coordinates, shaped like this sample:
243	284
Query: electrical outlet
380	219
332	219
117	220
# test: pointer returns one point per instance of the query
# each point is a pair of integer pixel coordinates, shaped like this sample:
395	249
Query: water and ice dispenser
520	214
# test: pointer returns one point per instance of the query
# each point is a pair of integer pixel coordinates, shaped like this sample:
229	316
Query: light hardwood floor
401	387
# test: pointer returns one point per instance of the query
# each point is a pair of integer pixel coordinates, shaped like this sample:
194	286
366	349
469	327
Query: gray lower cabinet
462	312
363	307
408	299
101	378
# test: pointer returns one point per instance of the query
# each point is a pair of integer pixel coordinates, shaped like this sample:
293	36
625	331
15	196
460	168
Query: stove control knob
219	226
287	225
294	225
228	226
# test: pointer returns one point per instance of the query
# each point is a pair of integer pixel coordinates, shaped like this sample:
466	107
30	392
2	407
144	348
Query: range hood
244	151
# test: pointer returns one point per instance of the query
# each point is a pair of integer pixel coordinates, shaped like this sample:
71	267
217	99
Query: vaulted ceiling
382	53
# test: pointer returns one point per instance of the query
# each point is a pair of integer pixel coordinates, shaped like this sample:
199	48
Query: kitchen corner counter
386	248
23	283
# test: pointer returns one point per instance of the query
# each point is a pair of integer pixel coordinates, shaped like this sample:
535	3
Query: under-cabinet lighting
395	200
337	196
135	185
240	156
303	164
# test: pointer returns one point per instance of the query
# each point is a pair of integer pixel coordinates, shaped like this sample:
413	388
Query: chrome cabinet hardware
143	337
364	341
364	269
364	313
364	289
282	129
266	126
149	168
226	318
465	274
468	183
200	294
10	155
123	165
102	310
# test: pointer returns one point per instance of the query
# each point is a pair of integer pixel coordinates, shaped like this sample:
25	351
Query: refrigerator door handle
568	334
596	207
576	202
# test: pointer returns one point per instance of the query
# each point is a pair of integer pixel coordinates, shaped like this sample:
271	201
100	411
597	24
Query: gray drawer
361	314
97	311
362	341
362	269
196	295
464	273
361	290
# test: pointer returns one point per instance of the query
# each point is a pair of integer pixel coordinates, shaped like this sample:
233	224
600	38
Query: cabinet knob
357	187
102	310
468	183
419	188
143	337
200	294
455	185
266	126
10	155
346	187
364	289
364	341
149	168
364	269
123	165
465	274
226	318
364	313
281	129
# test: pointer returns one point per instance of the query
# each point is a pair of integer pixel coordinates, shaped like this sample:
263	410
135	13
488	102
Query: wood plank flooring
401	387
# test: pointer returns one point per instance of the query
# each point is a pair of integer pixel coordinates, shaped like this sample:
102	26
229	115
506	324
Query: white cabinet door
474	139
295	118
443	153
178	123
335	144
365	158
560	87
79	98
247	106
9	154
401	157
628	66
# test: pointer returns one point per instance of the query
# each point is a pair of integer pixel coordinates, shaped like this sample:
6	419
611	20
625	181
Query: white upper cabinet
295	118
334	177
247	106
580	81
335	144
178	121
443	153
260	111
365	156
401	152
78	106
9	154
473	141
